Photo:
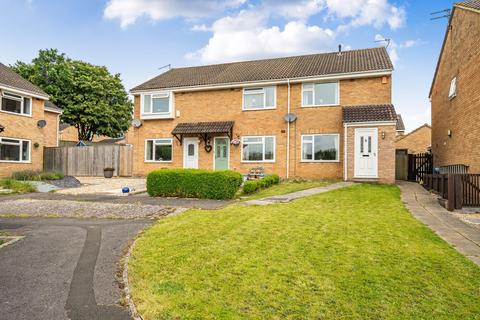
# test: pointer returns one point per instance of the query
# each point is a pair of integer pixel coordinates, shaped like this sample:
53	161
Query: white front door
366	153
190	153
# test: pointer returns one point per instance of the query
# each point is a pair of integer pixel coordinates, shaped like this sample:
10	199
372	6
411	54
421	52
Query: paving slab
296	195
426	208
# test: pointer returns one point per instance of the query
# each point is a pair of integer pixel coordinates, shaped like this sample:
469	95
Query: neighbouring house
417	141
400	126
325	115
455	92
28	121
68	136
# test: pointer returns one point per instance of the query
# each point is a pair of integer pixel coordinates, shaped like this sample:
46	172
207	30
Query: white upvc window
320	94
258	149
159	150
15	150
259	98
320	147
156	105
453	88
14	103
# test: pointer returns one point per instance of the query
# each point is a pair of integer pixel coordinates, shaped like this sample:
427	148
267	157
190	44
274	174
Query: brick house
455	91
28	123
323	115
416	141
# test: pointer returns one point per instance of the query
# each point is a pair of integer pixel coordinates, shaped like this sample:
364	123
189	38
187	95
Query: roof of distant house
426	125
11	79
50	106
322	64
400	124
369	113
472	4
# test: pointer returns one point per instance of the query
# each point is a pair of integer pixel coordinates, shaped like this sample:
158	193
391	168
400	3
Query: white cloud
128	11
410	43
299	9
246	36
367	12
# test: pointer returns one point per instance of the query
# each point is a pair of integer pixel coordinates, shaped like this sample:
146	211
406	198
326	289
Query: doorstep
365	179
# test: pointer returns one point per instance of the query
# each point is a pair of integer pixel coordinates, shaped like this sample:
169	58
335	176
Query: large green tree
93	100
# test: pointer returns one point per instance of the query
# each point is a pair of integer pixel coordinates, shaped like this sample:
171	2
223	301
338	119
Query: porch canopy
203	129
369	113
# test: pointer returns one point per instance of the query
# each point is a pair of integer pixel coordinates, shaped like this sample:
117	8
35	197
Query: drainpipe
345	156
288	130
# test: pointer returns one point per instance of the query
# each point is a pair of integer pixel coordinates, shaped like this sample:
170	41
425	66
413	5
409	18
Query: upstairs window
453	88
259	98
159	150
158	103
14	150
320	94
16	104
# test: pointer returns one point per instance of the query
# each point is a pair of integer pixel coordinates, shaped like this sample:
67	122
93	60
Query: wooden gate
89	161
401	164
419	165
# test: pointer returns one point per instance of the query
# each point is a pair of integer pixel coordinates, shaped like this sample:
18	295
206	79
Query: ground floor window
15	150
258	149
320	147
158	150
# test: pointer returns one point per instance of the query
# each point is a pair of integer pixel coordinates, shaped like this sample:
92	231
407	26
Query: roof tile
369	113
203	127
10	78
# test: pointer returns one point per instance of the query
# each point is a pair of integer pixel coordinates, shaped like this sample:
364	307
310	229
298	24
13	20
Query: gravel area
77	209
66	182
100	185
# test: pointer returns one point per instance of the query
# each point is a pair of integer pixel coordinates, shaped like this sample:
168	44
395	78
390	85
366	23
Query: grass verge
353	253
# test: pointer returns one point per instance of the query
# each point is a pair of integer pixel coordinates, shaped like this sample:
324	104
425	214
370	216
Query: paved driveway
63	268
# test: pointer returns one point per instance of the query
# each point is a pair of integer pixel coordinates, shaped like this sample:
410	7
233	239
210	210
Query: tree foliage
92	99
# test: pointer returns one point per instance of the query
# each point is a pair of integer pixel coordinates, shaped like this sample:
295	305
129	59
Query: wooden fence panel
89	161
401	164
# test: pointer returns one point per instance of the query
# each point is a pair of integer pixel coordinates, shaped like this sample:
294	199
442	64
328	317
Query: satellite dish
290	117
136	123
41	123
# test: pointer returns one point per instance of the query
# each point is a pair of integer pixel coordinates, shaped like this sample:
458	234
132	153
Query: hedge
252	186
193	183
35	175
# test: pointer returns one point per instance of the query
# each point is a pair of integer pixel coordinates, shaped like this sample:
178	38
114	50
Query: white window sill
13	161
154	161
322	105
17	114
259	109
258	161
320	161
154	116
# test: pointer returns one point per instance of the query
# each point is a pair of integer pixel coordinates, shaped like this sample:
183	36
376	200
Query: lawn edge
127	292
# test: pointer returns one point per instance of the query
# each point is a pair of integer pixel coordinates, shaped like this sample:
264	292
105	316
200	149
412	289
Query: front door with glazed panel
366	153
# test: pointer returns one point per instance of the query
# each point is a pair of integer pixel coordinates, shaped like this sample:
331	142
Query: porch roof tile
369	113
203	127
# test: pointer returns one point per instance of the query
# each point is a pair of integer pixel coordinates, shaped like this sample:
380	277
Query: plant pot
108	172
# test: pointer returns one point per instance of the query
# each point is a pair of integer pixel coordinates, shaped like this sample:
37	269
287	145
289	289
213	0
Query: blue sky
136	37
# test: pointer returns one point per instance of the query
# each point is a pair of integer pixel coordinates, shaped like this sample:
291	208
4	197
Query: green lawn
17	186
285	187
353	253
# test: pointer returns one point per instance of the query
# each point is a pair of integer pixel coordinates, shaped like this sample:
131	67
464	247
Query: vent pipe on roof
339	49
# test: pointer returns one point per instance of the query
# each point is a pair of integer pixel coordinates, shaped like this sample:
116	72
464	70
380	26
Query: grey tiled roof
400	124
369	113
10	78
50	106
203	127
473	4
373	59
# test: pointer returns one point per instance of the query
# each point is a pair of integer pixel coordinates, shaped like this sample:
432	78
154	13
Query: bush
193	183
33	175
253	186
16	186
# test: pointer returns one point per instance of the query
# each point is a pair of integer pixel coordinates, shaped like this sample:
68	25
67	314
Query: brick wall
23	127
460	115
226	104
417	141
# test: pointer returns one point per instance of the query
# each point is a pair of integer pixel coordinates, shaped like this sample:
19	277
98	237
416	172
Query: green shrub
253	186
17	186
34	175
193	183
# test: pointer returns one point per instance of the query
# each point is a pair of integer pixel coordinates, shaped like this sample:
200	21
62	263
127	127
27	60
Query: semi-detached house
325	115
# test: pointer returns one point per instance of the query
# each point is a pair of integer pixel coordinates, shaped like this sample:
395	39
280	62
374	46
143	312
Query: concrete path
299	194
63	268
425	207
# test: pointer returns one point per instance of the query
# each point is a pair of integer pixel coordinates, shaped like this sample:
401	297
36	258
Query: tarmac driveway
63	268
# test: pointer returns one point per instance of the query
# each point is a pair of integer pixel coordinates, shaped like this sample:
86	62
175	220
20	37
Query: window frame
264	98
313	135
153	153
313	105
263	149
453	83
156	115
20	144
17	97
